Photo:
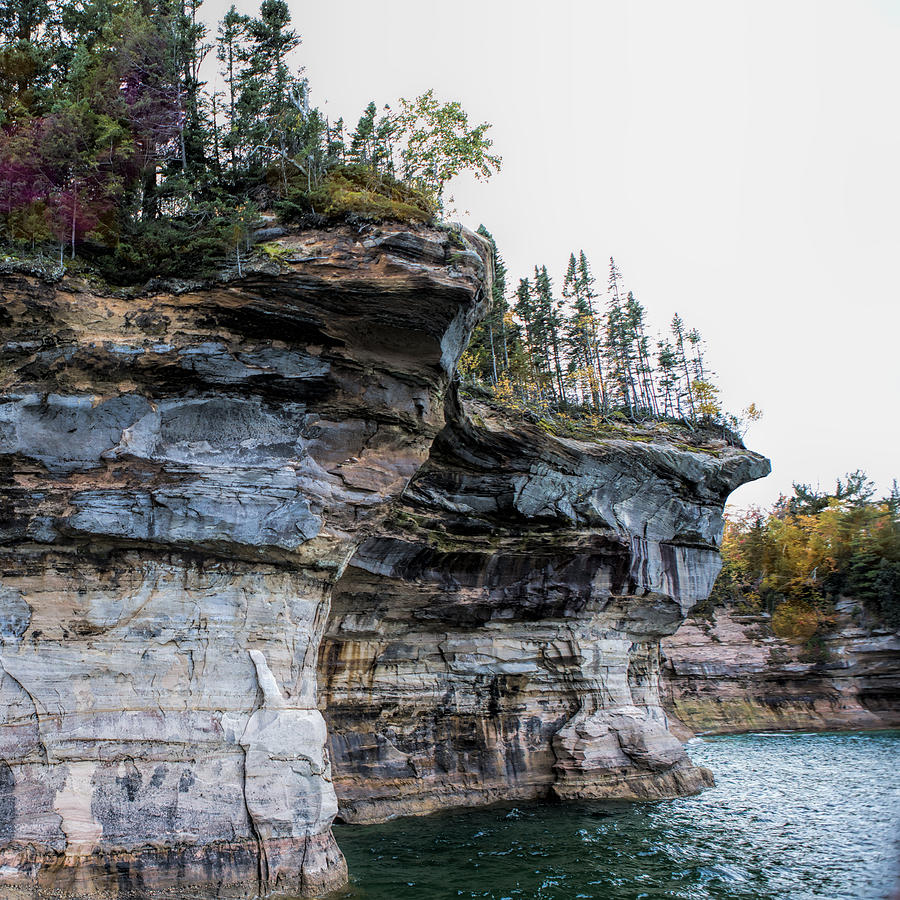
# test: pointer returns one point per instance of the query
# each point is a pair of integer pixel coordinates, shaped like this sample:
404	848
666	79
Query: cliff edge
258	565
184	477
500	638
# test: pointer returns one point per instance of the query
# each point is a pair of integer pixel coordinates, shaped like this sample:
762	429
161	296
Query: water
792	816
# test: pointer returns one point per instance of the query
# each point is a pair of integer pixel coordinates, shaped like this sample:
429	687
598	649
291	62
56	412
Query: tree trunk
74	213
493	355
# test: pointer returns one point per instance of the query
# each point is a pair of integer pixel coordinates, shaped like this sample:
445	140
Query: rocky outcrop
184	476
240	516
732	674
500	638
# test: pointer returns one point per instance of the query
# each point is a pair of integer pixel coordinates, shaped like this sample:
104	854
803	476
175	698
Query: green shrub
360	191
799	622
198	245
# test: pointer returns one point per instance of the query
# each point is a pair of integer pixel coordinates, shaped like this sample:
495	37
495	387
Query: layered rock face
184	476
732	674
500	638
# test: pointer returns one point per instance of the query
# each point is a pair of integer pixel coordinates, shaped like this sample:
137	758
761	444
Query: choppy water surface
792	816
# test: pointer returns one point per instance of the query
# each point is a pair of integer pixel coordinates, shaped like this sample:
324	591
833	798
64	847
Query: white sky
741	161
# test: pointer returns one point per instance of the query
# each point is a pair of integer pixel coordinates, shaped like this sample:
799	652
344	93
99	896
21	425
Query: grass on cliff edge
586	425
356	191
204	240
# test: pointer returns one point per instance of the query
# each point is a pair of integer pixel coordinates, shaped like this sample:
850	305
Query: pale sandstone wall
183	477
733	674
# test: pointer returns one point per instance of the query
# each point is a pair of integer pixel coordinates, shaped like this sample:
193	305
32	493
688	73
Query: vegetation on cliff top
113	146
583	363
813	547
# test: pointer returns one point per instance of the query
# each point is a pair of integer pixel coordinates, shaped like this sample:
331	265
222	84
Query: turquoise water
791	816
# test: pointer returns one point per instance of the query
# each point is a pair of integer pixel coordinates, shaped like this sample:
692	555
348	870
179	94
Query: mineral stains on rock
500	638
184	476
190	477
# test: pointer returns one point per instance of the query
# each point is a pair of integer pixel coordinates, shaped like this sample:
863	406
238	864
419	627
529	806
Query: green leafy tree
437	143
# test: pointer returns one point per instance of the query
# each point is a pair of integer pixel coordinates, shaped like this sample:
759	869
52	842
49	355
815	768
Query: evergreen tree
24	67
634	314
548	323
696	342
679	334
667	360
272	100
362	143
495	321
581	329
488	354
587	296
528	310
618	344
232	53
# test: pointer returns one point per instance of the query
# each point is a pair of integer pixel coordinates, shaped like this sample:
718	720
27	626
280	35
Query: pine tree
619	341
668	367
24	67
271	99
362	143
496	318
385	132
696	342
232	53
586	282
336	151
678	332
487	356
547	313
188	48
580	328
634	313
528	310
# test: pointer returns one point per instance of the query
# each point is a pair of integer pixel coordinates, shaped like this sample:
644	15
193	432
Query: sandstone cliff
185	478
733	674
500	639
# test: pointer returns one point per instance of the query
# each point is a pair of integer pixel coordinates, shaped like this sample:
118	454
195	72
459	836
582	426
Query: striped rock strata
183	478
258	565
733	674
500	638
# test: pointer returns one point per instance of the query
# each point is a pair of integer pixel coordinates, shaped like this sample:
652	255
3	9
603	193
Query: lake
791	816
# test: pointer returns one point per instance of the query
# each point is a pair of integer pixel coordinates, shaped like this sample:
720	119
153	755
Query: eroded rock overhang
184	475
500	638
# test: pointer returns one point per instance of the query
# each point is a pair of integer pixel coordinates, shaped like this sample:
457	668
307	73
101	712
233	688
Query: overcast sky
740	160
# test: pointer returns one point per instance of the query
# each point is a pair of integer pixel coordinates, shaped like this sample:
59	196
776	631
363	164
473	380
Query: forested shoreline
795	561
